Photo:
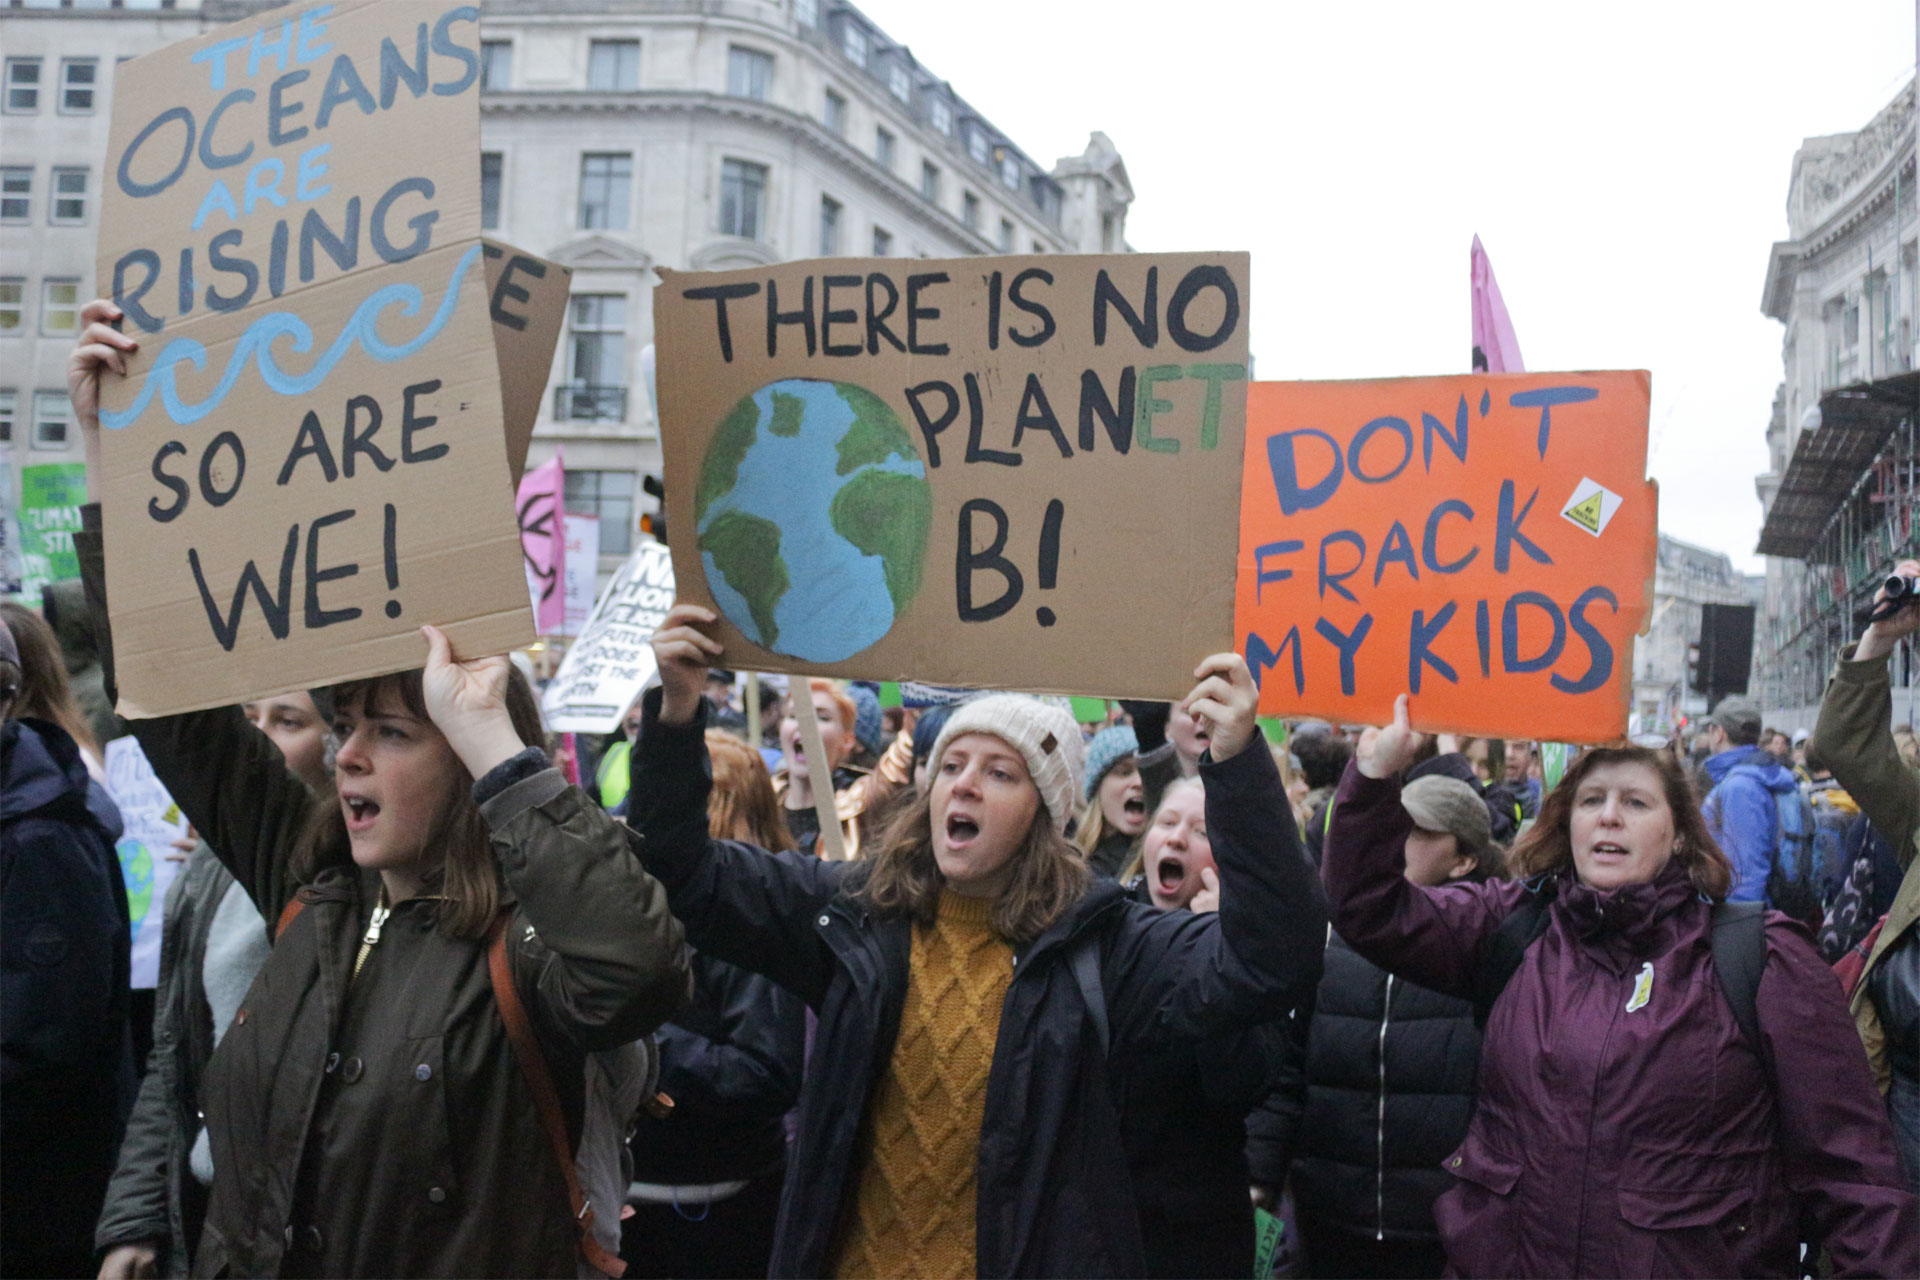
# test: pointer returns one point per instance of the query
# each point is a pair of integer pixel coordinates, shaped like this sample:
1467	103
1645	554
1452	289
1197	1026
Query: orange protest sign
1485	542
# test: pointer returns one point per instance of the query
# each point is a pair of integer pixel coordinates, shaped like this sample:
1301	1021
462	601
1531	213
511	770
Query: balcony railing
583	402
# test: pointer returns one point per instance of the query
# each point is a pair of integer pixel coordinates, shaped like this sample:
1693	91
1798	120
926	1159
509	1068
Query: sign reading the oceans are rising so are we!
306	460
1485	543
1003	472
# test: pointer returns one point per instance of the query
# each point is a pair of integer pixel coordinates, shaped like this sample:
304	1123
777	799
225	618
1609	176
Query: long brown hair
742	805
1049	874
45	691
471	881
1548	844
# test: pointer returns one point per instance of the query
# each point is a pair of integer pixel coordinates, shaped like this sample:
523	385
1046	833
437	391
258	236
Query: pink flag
542	545
1495	349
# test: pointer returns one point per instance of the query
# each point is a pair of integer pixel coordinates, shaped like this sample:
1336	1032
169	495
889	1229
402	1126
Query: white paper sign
153	822
612	661
582	535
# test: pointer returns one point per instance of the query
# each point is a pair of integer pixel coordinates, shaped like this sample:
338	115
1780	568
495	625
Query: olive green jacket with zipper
1854	739
370	1118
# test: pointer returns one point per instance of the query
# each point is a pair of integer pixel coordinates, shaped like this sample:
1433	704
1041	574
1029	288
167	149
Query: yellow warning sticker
1592	506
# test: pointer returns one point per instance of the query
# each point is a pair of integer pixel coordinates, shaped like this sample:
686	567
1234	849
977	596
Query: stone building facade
617	136
1685	577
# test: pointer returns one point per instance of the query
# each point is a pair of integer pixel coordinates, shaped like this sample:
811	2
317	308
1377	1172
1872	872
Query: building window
606	178
743	196
829	226
1006	235
496	64
930	180
1850	324
609	495
77	79
50	416
59	307
613	66
16	194
490	170
836	114
23	85
970	211
853	43
977	145
13	305
940	115
807	12
883	148
9	402
596	389
882	243
749	73
69	205
900	80
1009	171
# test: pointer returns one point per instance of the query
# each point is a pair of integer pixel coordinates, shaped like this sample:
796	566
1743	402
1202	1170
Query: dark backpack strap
1739	956
1500	960
1086	972
546	1098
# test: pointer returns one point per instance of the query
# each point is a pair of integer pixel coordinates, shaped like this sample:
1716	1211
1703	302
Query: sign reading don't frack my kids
307	458
1000	472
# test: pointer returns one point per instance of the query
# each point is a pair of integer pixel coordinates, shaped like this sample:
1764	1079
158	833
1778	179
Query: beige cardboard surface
1000	472
291	224
527	297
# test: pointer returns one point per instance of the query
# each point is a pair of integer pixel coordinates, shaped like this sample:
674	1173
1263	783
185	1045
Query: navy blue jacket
1054	1195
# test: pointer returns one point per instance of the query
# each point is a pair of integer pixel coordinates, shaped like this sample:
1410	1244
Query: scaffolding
1848	509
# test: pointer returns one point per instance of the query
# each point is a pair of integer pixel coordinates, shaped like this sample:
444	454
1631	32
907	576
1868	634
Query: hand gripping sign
1485	542
307	459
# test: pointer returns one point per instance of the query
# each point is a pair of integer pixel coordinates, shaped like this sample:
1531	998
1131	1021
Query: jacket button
240	1018
314	1240
423	1073
289	1236
437	1194
353	1070
333	1063
823	920
1454	1163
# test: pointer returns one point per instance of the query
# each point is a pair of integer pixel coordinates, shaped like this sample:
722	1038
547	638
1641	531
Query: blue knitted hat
1109	747
867	725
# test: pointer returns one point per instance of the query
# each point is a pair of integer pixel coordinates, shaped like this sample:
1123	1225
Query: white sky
1625	164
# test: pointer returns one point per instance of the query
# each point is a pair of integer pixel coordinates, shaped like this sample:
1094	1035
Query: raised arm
751	908
1430	936
1854	737
1178	975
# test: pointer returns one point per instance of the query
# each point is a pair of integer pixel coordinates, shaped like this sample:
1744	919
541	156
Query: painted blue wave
256	344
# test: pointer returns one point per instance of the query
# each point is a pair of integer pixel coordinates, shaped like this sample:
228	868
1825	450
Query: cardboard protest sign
527	299
152	823
1485	542
51	496
582	535
307	459
543	543
612	661
1004	472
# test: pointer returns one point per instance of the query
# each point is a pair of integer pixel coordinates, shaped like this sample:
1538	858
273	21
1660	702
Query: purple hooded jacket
1643	1141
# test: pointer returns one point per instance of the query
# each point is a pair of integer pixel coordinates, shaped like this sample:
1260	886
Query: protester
1758	818
1323	758
64	605
1777	744
1522	760
45	693
66	1071
969	974
1853	739
213	943
1174	867
371	1075
1188	734
836	714
1619	1089
1378	1075
1115	799
611	775
708	1173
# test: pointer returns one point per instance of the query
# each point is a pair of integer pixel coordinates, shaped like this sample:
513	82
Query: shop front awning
1829	460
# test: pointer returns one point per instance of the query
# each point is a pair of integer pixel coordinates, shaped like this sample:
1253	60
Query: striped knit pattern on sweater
913	1205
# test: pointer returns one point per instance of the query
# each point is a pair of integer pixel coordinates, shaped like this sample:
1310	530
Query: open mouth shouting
360	812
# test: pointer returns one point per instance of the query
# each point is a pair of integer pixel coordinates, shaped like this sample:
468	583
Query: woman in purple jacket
1624	1125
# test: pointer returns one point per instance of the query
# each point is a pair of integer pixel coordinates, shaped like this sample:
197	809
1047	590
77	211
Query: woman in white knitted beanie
982	997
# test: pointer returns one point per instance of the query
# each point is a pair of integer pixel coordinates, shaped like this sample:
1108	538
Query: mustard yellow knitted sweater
913	1207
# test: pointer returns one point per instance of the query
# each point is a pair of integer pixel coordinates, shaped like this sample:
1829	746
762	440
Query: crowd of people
1135	997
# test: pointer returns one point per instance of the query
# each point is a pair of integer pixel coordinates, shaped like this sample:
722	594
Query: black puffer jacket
1054	1194
1380	1086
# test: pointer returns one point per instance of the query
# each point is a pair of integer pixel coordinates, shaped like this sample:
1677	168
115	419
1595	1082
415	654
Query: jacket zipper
1380	1133
372	939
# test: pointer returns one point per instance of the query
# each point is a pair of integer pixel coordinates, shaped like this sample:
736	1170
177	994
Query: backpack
621	1075
1793	868
1739	942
